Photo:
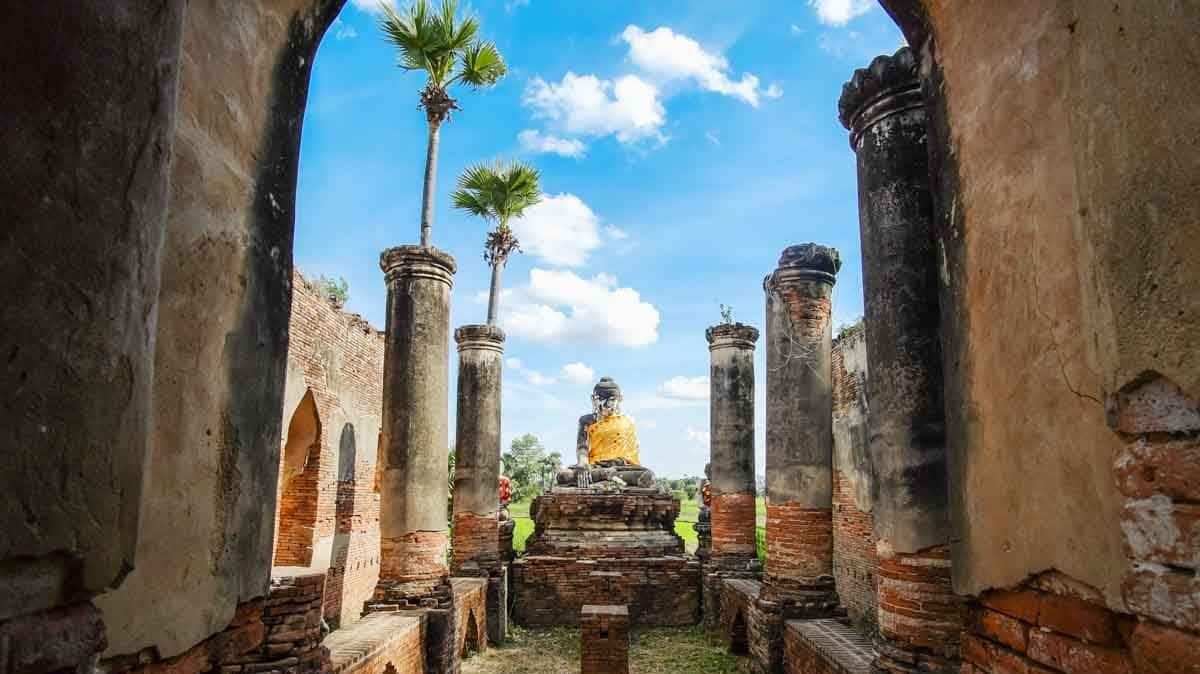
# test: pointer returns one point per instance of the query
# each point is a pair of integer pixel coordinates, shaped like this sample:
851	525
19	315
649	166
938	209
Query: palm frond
498	191
481	65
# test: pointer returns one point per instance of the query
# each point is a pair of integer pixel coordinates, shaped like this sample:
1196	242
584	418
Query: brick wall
1056	624
604	639
281	632
825	647
381	643
476	537
332	506
658	590
470	608
855	563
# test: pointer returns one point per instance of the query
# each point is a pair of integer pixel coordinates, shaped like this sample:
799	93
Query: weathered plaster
731	408
1067	214
477	426
851	450
208	517
87	135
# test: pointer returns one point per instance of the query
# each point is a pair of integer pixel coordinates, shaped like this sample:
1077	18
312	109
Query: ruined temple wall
205	536
855	561
1067	163
338	357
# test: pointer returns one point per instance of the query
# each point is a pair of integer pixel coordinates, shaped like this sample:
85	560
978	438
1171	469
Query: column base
920	617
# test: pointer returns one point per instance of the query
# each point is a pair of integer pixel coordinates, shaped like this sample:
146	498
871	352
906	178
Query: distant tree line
529	467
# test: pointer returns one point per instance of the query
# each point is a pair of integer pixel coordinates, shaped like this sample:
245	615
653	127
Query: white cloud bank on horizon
558	306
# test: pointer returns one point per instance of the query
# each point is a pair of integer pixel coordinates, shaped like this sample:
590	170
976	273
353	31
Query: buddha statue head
606	398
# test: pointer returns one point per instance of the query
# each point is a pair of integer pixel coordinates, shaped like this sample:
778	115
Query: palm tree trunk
431	158
494	295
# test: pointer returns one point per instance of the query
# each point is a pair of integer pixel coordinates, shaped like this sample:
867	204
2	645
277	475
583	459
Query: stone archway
299	465
471	643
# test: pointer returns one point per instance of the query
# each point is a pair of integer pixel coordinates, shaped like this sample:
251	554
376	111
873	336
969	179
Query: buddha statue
606	445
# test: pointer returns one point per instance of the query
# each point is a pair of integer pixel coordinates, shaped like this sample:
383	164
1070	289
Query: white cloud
558	306
514	363
667	55
615	233
343	30
685	388
773	91
578	373
797	30
560	229
538	379
585	105
539	143
372	6
701	438
840	12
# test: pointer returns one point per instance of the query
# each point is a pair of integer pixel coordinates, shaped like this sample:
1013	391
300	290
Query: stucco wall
207	519
87	137
1069	233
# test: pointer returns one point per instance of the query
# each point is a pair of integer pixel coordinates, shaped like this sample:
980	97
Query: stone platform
635	522
592	546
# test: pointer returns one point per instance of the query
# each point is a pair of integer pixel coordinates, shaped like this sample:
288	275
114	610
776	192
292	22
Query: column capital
889	86
805	262
484	337
731	335
417	261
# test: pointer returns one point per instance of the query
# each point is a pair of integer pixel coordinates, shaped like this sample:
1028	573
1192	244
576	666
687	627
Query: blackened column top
412	260
479	337
888	86
726	335
805	262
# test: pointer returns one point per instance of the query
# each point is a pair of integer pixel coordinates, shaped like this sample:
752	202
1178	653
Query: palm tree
448	49
498	192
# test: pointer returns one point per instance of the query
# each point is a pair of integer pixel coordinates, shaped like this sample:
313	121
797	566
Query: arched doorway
296	513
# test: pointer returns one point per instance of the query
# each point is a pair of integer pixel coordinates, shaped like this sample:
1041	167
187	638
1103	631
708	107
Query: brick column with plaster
799	569
920	618
731	424
476	543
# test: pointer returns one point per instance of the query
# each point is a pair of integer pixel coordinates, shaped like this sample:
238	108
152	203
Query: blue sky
682	146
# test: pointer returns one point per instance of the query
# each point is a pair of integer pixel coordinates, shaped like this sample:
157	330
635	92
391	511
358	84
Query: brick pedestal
919	615
604	639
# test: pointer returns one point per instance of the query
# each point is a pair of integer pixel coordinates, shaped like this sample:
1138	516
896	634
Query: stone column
476	543
882	108
731	425
799	573
413	490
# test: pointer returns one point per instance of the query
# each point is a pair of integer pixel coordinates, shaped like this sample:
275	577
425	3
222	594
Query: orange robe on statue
613	438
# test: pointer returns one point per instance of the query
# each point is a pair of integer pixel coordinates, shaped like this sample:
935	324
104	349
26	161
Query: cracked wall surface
1068	231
